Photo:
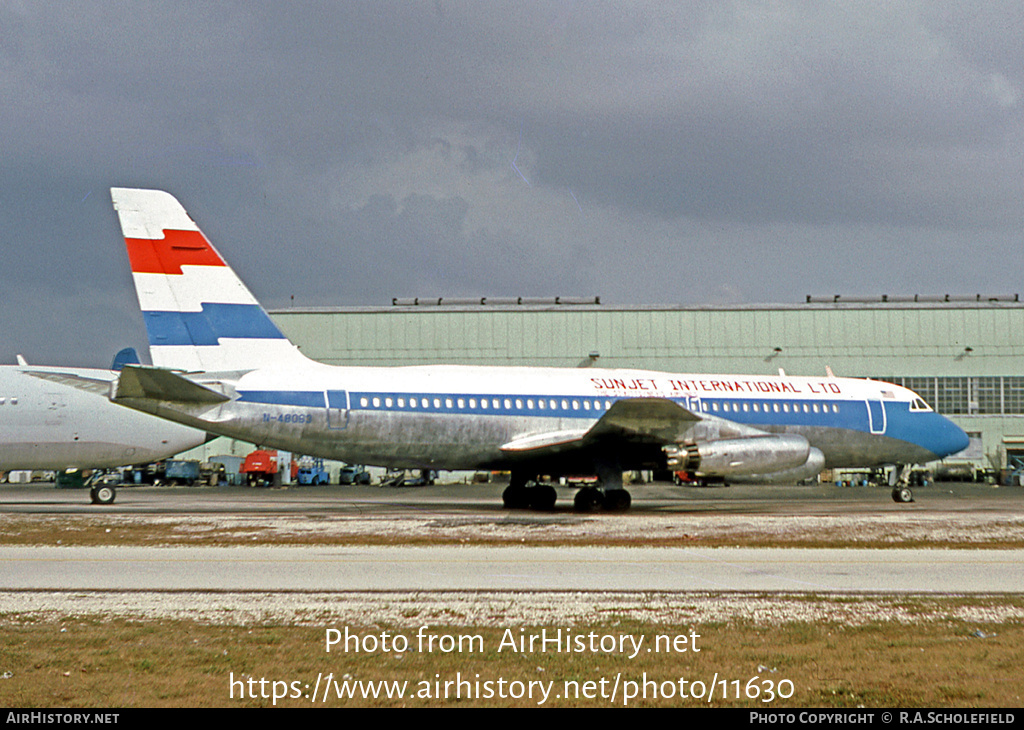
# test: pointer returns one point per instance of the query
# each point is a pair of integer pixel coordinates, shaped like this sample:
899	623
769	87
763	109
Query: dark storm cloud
345	153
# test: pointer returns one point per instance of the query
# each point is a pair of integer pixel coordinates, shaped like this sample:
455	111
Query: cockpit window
919	405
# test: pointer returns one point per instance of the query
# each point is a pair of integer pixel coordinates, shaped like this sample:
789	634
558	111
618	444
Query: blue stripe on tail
216	321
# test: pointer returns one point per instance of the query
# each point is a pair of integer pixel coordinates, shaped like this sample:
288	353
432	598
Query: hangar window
987	395
1013	394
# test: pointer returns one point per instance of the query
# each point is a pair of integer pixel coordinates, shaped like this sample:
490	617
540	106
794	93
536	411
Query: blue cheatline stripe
246	321
301	398
852	414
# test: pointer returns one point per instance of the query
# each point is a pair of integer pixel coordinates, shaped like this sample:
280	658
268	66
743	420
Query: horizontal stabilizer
150	383
69	378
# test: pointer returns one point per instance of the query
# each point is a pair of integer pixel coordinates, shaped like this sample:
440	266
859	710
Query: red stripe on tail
168	254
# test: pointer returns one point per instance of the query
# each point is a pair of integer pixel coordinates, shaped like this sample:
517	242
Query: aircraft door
876	416
337	409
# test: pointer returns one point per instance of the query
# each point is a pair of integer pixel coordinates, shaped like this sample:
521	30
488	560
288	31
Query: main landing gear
593	499
540	497
526	492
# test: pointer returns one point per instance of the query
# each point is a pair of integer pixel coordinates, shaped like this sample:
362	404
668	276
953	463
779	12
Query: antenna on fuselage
828	371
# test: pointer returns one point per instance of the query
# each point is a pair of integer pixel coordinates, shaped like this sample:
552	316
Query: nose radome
953	439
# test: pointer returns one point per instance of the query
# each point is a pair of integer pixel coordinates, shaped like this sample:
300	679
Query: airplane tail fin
127	356
199	315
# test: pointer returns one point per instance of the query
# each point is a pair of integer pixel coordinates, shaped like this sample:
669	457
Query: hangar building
965	356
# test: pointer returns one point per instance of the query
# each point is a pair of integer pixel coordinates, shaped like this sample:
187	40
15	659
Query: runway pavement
459	510
657	498
386	568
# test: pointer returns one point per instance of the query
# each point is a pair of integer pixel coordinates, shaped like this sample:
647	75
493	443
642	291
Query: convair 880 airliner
220	364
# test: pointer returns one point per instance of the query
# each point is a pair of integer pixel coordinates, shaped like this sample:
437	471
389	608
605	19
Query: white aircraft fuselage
48	425
223	366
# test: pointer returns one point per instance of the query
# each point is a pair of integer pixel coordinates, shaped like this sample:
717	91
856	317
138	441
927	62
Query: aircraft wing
636	420
647	420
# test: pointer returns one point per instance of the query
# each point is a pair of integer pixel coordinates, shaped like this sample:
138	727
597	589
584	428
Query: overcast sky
647	153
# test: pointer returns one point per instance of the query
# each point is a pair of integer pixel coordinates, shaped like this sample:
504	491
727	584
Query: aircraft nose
951	439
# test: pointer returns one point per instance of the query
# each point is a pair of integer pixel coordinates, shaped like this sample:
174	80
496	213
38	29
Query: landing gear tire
102	495
588	499
542	498
902	495
617	500
515	498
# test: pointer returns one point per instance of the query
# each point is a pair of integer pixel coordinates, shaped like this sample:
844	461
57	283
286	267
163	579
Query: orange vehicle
260	468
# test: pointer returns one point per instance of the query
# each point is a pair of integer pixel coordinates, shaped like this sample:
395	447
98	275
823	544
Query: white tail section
199	315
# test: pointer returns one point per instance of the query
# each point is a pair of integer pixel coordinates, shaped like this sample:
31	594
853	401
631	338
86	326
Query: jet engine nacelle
741	457
810	469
